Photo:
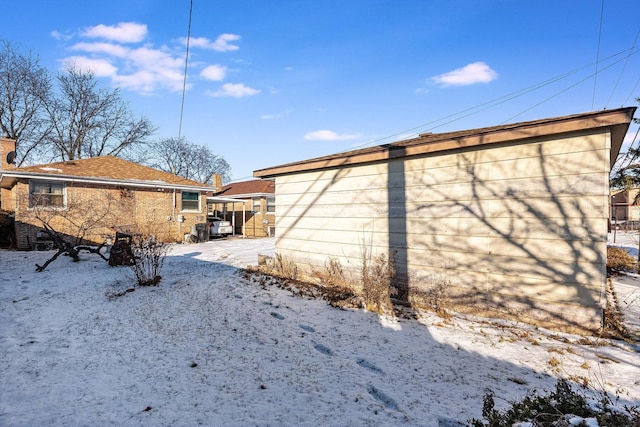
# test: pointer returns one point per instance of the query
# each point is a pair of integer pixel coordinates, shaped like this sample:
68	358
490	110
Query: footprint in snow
277	315
380	396
307	328
322	349
368	365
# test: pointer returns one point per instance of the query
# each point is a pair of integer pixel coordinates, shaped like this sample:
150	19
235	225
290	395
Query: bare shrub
332	275
336	286
619	260
286	268
376	274
149	255
80	220
556	408
613	318
438	296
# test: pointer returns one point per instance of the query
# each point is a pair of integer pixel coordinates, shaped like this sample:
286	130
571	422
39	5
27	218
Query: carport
214	199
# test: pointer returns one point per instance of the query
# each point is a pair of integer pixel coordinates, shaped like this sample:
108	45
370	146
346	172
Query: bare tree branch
24	88
191	161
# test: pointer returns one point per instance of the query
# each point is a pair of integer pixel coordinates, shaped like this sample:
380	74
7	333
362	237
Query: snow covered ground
207	347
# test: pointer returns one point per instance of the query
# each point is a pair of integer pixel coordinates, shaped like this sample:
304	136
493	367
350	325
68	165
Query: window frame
271	204
253	204
46	196
190	209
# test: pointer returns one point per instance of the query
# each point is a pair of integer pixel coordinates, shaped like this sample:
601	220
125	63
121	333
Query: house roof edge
617	120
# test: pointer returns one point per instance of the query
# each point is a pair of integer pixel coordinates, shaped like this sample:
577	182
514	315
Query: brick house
625	207
253	214
99	194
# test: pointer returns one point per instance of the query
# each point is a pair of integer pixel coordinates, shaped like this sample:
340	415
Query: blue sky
271	82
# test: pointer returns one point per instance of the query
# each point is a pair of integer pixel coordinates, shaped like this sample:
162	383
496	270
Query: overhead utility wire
633	90
493	102
490	103
624	67
562	91
628	159
595	75
186	61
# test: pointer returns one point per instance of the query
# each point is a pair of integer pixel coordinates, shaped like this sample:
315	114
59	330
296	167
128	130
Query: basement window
46	194
190	201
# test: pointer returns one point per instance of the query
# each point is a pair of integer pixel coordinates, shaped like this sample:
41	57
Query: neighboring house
625	205
250	205
104	193
508	220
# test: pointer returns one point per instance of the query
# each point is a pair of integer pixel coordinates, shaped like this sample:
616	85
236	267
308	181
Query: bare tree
24	88
77	223
626	171
89	121
191	161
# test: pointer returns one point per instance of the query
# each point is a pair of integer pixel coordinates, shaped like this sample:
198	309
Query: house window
46	194
271	204
190	201
257	206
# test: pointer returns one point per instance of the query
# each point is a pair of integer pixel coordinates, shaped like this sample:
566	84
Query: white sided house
511	220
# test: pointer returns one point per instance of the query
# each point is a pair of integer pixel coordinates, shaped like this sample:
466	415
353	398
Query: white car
219	227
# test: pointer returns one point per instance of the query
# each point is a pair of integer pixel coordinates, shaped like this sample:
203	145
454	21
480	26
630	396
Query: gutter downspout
174	216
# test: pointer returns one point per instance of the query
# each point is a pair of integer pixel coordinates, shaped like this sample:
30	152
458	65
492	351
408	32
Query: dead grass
619	260
613	318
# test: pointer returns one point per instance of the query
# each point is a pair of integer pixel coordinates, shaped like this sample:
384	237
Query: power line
508	97
624	67
186	62
562	91
632	91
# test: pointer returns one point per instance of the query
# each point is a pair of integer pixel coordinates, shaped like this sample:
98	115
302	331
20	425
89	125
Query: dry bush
376	274
285	268
83	219
438	296
613	318
619	260
556	408
332	275
149	255
336	287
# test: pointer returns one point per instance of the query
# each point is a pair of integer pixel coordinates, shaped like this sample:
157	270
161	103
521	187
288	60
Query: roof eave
248	195
617	121
11	176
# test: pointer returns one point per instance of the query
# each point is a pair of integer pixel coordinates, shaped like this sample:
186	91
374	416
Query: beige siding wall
514	229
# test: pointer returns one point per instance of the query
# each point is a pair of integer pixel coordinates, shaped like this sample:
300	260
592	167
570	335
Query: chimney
217	182
7	153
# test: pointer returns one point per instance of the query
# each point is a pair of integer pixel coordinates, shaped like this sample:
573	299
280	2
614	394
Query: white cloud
116	52
124	32
103	48
329	135
214	72
478	72
275	115
99	67
235	90
60	36
221	44
143	69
